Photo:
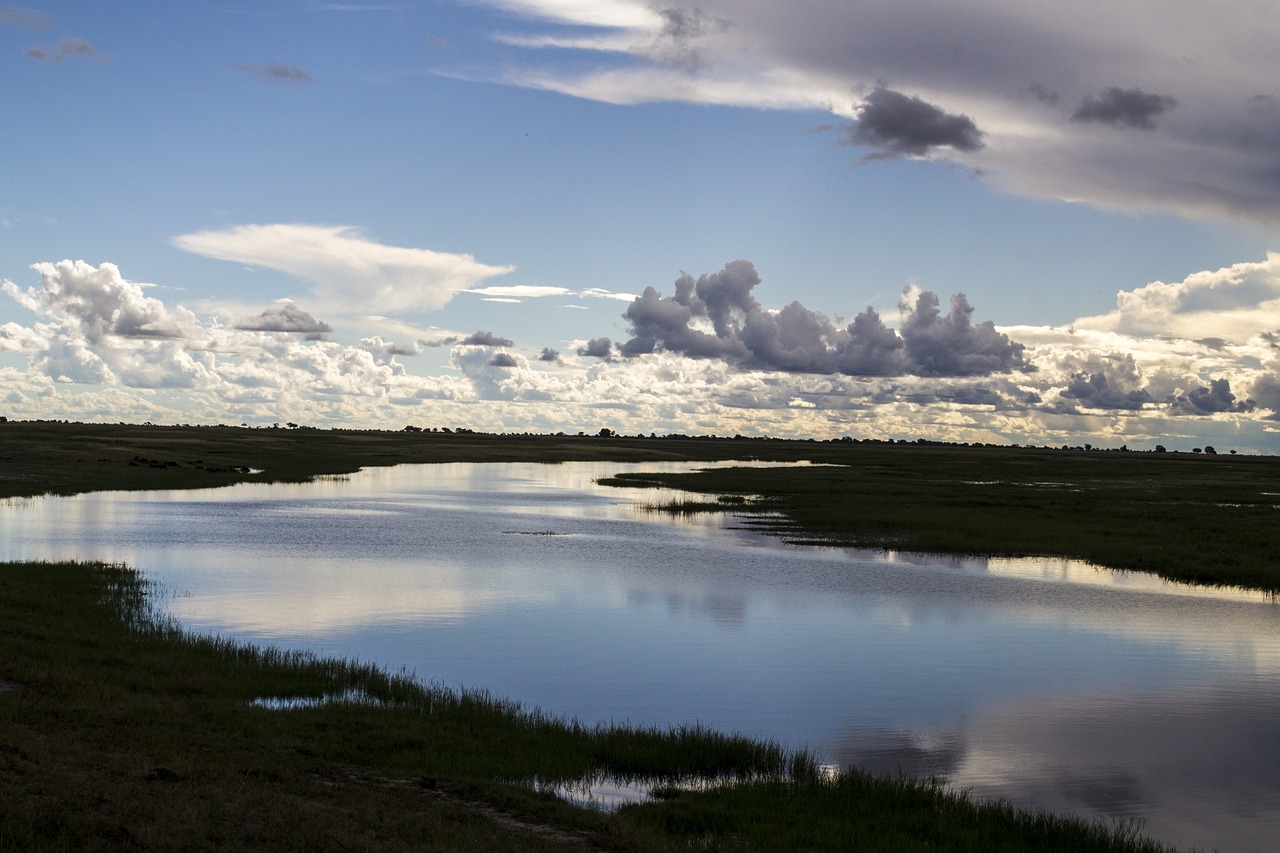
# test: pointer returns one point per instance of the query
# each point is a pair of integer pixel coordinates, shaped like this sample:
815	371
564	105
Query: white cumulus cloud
1232	304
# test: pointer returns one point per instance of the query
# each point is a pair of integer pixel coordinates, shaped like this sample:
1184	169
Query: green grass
64	458
1197	519
858	812
120	731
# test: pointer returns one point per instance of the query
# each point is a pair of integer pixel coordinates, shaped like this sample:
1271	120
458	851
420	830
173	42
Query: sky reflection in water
1044	682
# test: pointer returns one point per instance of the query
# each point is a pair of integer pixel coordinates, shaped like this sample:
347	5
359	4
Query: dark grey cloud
950	345
682	24
799	340
67	48
275	72
898	125
286	318
677	43
1123	108
1095	391
1042	93
1209	399
1019	73
1101	380
503	359
1266	390
483	339
597	348
549	354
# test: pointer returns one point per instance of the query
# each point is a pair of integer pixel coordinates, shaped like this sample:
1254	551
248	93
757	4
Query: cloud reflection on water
1048	680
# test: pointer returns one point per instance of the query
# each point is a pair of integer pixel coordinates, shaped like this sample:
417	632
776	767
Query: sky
990	221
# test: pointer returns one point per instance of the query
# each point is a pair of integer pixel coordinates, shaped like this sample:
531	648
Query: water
1048	683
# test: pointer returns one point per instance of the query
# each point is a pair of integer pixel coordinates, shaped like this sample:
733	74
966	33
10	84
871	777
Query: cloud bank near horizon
798	340
708	359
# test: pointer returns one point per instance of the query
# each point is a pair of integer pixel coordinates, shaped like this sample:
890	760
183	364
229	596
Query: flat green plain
122	731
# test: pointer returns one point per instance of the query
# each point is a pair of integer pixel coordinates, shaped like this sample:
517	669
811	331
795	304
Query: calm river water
1047	683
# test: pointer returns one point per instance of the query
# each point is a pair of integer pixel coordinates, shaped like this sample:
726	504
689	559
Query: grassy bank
66	458
1199	519
119	731
1196	518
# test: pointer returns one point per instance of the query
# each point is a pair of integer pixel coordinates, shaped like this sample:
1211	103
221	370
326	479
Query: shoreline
122	729
1200	519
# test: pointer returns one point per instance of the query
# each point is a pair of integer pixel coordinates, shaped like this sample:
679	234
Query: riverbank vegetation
118	730
1195	517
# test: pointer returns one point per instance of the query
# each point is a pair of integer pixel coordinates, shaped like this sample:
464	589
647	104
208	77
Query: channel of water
1049	683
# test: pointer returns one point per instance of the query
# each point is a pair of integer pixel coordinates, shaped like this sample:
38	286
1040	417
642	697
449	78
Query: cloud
98	303
378	346
1232	304
1265	390
18	16
16	338
1112	381
68	48
521	292
1036	79
597	348
485	339
287	318
1209	399
348	271
594	13
600	293
275	72
1123	107
717	316
716	361
676	44
949	344
1094	391
898	125
103	329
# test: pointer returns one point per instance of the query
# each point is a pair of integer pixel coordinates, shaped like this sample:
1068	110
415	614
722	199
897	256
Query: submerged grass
119	730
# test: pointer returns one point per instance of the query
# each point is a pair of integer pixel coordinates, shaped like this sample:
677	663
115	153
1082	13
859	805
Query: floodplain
414	745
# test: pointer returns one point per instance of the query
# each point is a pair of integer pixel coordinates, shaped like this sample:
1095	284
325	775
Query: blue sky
434	213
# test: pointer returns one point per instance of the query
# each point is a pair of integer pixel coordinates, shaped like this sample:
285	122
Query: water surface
1048	683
